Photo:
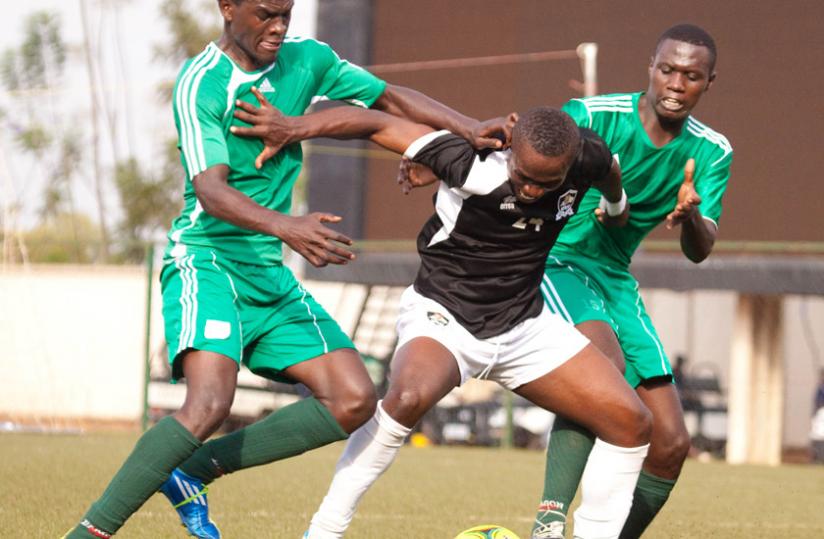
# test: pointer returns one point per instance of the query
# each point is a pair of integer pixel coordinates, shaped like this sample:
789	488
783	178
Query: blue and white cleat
188	497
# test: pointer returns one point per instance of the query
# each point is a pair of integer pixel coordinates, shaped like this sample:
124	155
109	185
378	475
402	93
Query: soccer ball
487	531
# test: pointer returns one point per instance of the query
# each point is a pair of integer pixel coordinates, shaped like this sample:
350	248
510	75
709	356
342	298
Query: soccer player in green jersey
227	298
675	169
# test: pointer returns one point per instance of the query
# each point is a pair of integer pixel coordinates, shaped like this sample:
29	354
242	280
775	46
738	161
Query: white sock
606	490
368	453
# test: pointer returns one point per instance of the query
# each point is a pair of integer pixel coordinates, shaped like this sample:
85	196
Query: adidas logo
266	86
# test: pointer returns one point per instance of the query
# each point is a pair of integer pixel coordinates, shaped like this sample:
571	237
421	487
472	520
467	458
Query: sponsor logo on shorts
437	318
217	330
565	204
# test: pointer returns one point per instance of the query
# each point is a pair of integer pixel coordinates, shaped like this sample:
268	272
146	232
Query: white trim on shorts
525	353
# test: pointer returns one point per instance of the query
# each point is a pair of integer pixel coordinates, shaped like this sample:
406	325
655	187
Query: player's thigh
286	325
433	355
644	354
200	310
589	390
423	371
570	292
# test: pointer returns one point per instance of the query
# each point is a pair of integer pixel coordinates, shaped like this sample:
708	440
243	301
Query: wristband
614	209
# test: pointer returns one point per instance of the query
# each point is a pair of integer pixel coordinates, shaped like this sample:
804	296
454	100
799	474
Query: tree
36	121
149	203
151	199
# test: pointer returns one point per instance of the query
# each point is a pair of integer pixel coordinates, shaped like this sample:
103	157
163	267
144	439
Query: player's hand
495	133
615	220
688	199
412	175
320	245
268	124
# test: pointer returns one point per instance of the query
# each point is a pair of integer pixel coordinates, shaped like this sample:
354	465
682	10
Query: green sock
650	495
566	458
153	458
290	431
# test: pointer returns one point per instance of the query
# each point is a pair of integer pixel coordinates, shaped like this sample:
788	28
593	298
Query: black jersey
483	252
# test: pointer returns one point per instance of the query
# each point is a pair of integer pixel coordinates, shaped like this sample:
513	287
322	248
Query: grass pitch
48	481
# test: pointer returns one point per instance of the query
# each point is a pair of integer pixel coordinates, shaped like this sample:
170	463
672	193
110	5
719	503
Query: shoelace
549	530
191	498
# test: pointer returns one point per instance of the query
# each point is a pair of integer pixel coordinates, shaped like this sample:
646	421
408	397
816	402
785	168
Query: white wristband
614	209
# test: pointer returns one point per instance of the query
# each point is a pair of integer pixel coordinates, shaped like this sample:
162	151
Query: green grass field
49	480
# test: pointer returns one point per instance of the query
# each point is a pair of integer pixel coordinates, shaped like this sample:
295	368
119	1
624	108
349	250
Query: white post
756	398
588	53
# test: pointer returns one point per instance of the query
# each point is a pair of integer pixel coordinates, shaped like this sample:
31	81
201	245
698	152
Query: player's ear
226	9
710	80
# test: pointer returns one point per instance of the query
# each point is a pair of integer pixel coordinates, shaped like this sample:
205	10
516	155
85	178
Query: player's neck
659	130
243	60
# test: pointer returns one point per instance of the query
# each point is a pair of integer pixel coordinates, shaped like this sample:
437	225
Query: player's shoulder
708	137
306	50
620	102
205	74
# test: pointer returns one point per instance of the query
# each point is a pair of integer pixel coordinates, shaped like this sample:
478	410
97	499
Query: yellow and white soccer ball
487	531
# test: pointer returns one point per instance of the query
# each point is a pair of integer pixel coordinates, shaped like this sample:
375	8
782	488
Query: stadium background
84	362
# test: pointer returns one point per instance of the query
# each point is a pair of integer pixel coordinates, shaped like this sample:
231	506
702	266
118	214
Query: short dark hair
692	34
550	132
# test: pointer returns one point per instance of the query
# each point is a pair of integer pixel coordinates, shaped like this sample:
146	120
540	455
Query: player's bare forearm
611	186
420	108
613	210
305	234
226	203
697	237
390	132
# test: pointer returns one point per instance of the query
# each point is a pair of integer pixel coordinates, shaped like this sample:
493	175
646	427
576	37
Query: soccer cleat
188	497
549	530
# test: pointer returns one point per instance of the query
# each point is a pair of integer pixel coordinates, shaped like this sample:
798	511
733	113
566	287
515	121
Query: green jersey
651	176
204	101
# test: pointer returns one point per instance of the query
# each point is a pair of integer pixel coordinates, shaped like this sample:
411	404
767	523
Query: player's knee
638	429
672	450
355	407
207	412
408	406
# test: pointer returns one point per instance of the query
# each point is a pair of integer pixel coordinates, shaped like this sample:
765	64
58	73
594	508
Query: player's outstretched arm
614	207
277	130
420	108
697	234
305	235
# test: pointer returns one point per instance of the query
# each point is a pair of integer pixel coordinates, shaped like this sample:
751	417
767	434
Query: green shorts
260	315
580	289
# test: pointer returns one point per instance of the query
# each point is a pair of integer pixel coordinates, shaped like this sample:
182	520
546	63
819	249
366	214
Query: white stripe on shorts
314	318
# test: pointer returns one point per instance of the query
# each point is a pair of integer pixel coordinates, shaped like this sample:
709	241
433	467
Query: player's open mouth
671	104
271	46
526	198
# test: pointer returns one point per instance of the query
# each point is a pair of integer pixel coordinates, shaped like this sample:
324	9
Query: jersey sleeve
579	112
595	160
457	164
711	183
199	110
344	81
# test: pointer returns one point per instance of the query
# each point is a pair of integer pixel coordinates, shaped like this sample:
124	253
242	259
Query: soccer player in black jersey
475	309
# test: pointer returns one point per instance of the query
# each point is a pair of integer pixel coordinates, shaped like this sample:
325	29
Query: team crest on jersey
508	203
566	203
437	318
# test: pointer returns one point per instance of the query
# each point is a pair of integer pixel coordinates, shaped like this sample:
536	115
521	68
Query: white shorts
525	353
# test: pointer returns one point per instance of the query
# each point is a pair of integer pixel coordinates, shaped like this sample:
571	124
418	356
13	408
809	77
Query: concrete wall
72	341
